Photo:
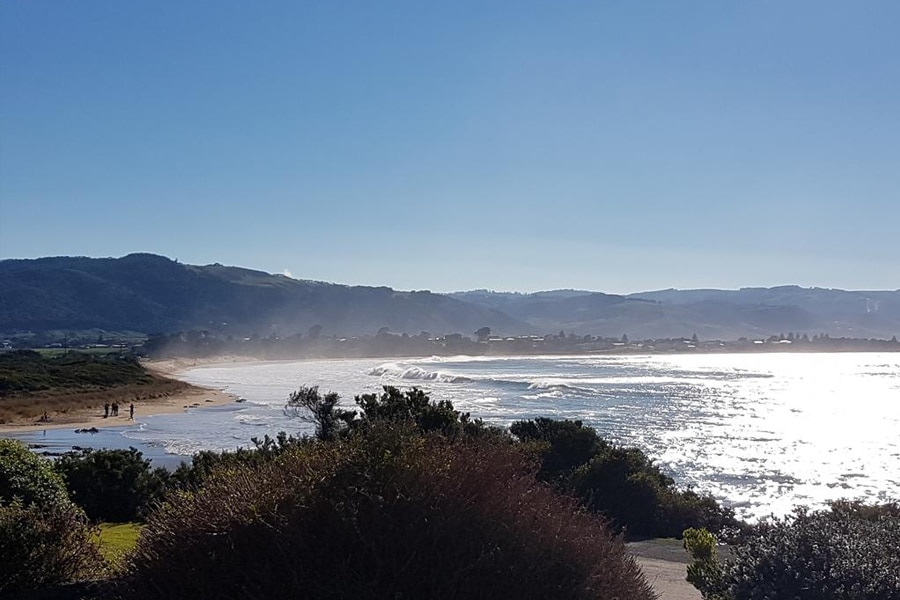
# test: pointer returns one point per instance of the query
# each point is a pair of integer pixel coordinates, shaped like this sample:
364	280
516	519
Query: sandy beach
187	396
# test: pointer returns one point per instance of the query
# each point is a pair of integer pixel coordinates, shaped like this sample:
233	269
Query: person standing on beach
131	411
106	410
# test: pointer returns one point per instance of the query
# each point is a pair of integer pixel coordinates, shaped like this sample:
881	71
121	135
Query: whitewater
762	433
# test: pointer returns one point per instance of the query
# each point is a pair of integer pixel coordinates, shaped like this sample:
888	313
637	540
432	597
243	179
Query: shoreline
192	396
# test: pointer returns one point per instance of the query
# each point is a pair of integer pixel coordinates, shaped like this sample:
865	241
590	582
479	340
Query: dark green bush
564	445
386	513
849	552
622	484
112	485
414	405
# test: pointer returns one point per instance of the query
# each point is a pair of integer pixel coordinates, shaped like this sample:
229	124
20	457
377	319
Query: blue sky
615	146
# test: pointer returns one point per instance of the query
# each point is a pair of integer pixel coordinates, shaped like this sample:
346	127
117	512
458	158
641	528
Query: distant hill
149	293
711	314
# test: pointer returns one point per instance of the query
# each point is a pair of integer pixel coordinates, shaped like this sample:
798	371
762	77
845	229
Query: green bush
385	513
849	552
391	406
29	478
44	539
620	483
414	405
112	485
705	572
564	445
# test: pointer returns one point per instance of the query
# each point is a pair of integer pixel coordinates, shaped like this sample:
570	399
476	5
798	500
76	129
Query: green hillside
148	293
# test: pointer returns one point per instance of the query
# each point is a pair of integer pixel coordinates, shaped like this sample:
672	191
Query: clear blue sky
520	145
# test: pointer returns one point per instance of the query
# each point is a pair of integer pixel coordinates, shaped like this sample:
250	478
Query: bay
760	432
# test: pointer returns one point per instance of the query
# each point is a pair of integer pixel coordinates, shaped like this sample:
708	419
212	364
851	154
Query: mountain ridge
149	293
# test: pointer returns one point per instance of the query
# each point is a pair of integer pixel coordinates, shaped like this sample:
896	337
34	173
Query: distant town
315	344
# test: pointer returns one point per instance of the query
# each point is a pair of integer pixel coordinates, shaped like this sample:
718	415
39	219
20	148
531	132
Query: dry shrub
41	547
387	514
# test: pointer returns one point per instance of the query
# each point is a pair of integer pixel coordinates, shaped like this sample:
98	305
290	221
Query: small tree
483	333
414	405
307	403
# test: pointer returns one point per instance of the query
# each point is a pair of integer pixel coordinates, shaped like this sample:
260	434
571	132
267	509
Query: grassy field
117	539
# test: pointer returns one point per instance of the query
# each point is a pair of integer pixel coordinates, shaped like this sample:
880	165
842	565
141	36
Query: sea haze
762	432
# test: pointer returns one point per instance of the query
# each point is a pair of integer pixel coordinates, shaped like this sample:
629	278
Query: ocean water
761	432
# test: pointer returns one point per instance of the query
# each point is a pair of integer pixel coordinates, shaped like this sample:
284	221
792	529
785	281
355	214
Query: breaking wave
400	371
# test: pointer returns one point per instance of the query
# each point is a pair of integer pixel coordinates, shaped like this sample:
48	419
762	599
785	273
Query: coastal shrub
848	552
44	546
620	483
330	421
44	538
191	476
29	478
564	445
112	485
385	513
414	405
705	571
391	406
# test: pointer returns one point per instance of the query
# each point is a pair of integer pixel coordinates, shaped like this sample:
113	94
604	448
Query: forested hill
148	293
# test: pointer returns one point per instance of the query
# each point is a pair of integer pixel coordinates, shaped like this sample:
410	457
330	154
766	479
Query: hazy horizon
523	146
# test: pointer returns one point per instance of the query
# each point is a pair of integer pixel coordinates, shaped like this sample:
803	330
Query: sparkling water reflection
762	432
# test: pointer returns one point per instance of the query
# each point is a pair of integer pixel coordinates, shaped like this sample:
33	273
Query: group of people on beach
112	410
